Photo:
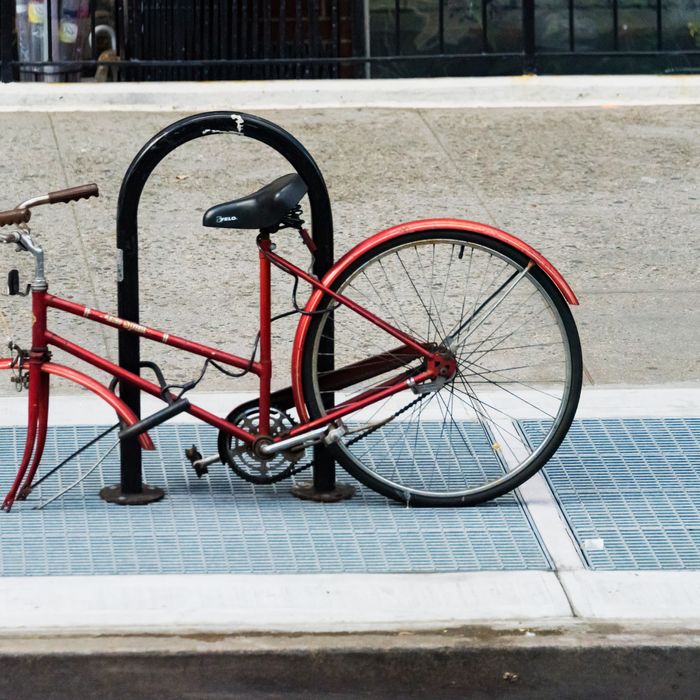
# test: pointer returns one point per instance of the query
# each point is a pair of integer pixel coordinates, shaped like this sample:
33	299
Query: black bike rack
131	490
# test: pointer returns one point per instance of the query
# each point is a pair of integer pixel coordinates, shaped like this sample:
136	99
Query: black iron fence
190	39
246	39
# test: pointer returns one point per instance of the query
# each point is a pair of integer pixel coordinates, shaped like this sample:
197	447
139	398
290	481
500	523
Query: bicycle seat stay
263	209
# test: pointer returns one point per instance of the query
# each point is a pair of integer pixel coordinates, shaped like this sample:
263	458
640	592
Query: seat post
264	247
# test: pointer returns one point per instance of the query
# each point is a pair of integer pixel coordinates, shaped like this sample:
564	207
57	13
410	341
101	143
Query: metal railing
246	39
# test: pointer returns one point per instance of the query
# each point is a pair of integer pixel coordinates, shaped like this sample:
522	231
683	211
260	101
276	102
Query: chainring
241	457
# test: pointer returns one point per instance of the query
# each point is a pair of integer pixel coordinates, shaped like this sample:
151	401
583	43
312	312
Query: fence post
7	21
360	37
529	62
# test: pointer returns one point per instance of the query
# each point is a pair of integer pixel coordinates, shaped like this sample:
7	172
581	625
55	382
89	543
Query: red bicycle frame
40	367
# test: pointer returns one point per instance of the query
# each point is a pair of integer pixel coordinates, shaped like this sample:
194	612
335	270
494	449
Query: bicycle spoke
495	432
420	298
462	435
446	279
396	322
481	413
510	380
469	392
474	313
398	302
514	280
440	331
497	348
454	423
529	319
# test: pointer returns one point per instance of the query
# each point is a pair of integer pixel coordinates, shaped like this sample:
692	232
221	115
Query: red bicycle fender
122	410
394	232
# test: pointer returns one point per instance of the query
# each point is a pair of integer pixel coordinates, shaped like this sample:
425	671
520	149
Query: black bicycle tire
365	475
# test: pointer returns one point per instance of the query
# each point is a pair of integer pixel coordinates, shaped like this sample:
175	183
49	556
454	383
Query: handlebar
14	217
73	194
21	214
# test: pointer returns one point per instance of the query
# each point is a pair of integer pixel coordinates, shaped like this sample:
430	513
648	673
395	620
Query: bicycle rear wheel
518	359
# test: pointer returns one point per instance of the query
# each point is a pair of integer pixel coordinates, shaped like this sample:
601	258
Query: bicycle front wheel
460	441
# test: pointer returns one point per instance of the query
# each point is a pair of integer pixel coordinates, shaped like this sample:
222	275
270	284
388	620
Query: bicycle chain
381	425
296	469
292	470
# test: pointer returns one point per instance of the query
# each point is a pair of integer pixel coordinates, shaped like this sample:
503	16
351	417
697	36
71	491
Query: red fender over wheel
122	410
394	232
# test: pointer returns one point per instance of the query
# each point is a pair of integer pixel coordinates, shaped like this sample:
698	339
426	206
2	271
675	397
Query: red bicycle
416	360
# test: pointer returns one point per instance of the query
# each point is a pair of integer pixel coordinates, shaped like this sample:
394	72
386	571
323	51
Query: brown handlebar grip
14	217
73	194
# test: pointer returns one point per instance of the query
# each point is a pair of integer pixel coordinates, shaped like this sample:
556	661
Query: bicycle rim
518	358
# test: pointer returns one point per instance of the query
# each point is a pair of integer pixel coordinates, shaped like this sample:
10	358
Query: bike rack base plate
149	494
307	492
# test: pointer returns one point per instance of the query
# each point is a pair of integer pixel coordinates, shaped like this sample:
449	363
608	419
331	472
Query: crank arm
205	462
200	464
313	437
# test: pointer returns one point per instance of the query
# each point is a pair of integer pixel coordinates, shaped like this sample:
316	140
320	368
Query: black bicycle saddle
262	209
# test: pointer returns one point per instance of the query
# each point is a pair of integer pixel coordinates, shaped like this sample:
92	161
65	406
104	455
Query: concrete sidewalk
402	93
609	195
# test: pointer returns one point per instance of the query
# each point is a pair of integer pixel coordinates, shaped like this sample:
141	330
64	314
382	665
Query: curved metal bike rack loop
132	490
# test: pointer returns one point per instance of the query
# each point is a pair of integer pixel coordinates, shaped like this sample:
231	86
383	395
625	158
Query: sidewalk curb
584	661
411	93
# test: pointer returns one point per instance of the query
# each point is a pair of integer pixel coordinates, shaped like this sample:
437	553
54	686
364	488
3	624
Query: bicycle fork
38	408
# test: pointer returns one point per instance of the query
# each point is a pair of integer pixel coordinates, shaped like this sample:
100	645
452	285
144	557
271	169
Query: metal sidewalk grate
221	524
455	462
630	490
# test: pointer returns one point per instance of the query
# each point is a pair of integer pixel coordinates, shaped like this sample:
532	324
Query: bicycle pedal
195	458
200	470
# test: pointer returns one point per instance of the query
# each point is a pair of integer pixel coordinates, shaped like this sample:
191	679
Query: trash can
51	30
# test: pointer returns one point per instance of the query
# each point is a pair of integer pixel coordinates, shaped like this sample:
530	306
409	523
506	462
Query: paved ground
610	195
